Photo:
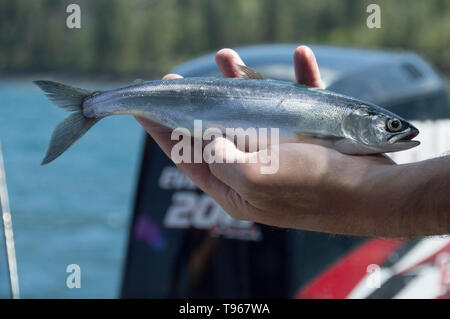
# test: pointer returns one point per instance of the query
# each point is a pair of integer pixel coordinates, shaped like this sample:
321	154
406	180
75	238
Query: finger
172	76
229	164
226	60
161	137
306	67
199	173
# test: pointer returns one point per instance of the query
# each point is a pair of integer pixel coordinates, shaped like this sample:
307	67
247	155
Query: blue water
75	210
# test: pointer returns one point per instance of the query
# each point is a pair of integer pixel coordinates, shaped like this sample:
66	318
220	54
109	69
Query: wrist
378	190
362	196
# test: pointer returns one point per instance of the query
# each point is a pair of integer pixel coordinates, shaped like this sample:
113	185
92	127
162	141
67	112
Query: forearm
409	200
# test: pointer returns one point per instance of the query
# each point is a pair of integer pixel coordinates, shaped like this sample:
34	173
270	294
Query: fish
301	113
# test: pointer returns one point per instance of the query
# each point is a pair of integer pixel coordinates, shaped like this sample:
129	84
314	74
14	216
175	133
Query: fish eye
394	125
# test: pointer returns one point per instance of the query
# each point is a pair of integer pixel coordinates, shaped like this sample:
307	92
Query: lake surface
77	209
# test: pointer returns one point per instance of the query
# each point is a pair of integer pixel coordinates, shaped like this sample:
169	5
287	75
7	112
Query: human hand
315	188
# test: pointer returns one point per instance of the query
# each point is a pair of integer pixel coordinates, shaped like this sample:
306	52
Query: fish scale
301	113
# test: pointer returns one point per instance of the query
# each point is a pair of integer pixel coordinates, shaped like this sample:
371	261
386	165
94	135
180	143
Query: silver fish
301	113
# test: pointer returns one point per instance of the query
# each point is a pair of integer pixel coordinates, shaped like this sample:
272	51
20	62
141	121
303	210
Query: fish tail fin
73	126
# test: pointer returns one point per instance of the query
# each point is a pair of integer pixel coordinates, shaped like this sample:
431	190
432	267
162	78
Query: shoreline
110	79
67	77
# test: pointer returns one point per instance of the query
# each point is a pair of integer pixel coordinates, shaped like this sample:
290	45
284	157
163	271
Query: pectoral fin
318	138
308	135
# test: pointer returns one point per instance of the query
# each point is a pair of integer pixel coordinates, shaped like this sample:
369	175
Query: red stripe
340	279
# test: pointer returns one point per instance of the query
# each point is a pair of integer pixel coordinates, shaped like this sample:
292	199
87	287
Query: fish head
374	130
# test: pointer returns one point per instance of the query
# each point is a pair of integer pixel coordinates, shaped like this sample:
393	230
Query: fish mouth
405	137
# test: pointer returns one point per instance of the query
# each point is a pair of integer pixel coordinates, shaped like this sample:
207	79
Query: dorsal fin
249	73
137	81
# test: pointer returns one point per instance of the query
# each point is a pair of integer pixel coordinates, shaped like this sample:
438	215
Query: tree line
148	37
